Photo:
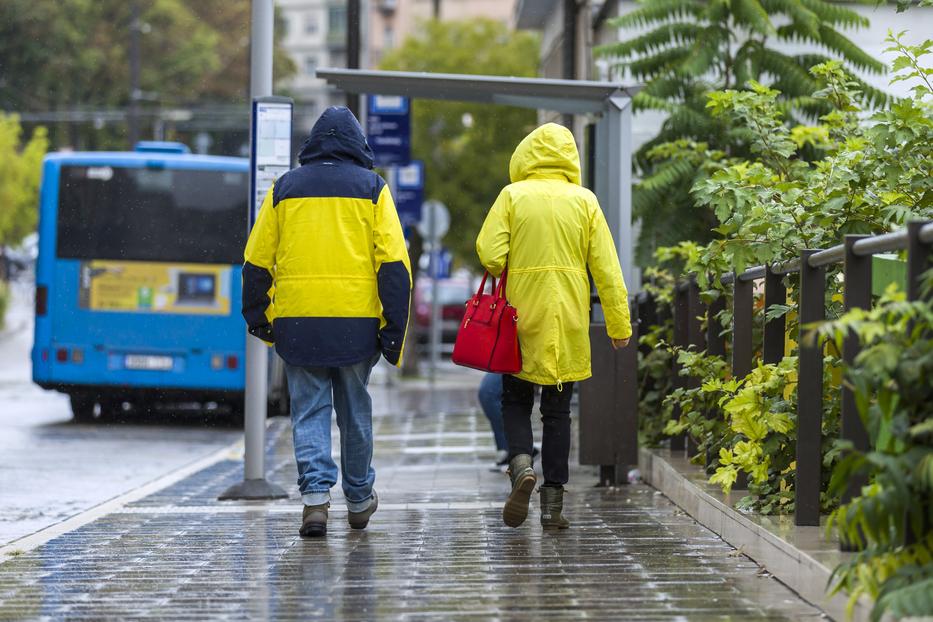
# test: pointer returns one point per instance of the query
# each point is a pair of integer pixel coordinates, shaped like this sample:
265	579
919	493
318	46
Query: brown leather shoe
359	520
314	521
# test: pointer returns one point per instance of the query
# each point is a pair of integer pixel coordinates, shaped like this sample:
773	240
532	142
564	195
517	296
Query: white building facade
315	35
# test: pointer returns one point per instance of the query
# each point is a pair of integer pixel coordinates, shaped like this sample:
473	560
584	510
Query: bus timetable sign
270	148
409	192
388	129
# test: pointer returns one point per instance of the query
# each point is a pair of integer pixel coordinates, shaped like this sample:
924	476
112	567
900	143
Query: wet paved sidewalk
435	550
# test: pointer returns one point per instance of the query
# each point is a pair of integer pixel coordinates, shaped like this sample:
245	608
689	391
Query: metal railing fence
855	253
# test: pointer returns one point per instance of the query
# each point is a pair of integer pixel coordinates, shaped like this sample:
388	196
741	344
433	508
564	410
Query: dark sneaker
522	474
359	520
552	506
314	521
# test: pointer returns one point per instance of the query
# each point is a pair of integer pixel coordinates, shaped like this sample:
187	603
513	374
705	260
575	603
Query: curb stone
802	558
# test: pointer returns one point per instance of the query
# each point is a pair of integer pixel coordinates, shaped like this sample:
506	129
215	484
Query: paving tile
435	550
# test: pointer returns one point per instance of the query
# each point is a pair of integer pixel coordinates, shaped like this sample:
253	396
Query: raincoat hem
548	381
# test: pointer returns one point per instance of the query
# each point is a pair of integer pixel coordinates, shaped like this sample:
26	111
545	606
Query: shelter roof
566	96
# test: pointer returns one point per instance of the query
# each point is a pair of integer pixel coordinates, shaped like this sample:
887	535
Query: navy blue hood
337	135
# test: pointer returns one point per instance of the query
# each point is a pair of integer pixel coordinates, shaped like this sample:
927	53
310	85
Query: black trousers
518	400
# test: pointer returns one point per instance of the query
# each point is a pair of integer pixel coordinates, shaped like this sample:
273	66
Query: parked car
452	297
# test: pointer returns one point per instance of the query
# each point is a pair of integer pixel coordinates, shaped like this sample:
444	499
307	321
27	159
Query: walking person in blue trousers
327	280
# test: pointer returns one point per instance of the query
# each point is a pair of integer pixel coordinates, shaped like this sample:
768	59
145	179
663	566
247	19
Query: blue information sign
441	261
388	129
409	192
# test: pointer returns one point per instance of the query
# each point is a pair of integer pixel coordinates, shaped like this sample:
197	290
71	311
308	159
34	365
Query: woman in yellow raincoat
550	231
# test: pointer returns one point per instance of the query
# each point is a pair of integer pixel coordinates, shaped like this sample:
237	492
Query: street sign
271	155
388	129
435	221
441	262
409	192
434	213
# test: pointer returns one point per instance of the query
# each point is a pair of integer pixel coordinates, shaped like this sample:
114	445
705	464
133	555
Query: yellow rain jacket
551	230
326	273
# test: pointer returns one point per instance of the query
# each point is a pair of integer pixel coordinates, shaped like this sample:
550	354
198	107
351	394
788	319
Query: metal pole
132	130
569	49
715	342
695	337
809	394
255	485
856	295
715	346
353	50
435	308
743	299
261	47
774	332
919	260
613	180
622	143
681	336
743	303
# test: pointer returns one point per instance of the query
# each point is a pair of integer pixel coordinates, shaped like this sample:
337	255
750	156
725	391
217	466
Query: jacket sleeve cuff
263	332
618	322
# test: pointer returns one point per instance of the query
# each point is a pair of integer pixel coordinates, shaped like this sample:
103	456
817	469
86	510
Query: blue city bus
138	279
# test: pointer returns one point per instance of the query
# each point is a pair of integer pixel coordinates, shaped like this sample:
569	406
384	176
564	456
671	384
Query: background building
315	35
391	21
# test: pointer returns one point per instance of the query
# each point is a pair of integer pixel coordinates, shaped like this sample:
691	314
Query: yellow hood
553	235
548	152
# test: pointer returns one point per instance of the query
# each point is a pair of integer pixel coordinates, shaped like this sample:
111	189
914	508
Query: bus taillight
61	355
232	362
42	300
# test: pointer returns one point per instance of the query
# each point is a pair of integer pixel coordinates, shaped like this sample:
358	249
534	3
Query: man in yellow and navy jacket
327	279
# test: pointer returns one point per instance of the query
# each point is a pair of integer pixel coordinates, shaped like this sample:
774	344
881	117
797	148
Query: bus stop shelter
608	103
608	402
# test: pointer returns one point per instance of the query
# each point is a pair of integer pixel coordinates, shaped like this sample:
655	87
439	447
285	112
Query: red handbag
488	335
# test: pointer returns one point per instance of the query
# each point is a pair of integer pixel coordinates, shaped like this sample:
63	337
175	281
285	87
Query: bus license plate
148	362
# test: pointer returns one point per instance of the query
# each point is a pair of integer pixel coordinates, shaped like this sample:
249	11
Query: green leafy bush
892	520
871	174
654	361
682	50
874	178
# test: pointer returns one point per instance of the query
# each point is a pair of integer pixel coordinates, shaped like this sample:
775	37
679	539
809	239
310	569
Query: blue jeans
490	398
314	393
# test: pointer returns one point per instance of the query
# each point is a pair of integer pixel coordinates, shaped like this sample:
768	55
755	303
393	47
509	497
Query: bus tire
82	408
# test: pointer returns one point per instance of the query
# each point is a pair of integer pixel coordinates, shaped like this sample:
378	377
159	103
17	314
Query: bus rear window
152	214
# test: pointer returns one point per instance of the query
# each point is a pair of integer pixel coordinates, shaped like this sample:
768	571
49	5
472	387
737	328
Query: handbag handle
482	284
500	292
